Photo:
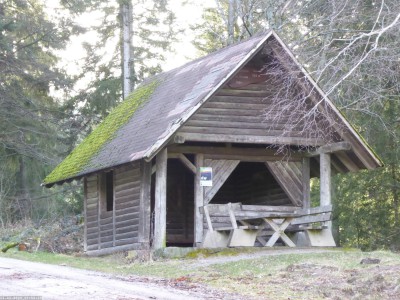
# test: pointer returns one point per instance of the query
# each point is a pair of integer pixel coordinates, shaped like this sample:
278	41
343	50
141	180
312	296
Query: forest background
49	103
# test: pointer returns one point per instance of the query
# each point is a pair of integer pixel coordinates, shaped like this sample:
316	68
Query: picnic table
246	222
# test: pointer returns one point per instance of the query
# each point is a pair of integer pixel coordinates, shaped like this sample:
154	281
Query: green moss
75	162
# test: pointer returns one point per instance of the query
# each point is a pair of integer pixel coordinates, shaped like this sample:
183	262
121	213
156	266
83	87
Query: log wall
119	227
238	115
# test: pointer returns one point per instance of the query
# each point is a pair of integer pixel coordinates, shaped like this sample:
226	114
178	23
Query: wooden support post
160	222
113	209
145	203
198	202
85	192
100	187
305	170
325	181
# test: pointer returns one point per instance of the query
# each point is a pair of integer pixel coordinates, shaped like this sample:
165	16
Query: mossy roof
154	112
151	113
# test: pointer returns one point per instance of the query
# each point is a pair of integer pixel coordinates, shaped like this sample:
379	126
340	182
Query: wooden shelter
145	167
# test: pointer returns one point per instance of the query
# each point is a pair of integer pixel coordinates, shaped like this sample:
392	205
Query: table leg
279	232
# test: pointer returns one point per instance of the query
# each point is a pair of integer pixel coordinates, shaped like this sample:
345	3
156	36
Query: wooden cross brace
279	232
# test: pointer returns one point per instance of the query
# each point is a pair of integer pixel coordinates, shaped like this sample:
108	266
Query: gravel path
23	278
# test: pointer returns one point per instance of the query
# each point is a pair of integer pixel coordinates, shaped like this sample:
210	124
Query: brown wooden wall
235	115
118	227
92	213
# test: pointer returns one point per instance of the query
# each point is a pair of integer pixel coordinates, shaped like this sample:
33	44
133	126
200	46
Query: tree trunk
127	61
231	21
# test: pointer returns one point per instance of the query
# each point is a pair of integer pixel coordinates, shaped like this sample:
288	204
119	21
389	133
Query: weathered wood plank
288	183
325	179
188	164
263	139
127	235
130	216
127	223
125	186
145	203
160	223
127	206
232	151
128	192
272	132
270	208
347	162
131	242
131	228
235	106
85	204
306	182
312	219
198	201
331	148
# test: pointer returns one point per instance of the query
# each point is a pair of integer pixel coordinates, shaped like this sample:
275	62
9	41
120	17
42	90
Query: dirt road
23	278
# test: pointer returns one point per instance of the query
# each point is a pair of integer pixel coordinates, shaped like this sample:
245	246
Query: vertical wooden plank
85	192
100	188
198	202
160	222
113	208
145	203
305	174
325	179
325	182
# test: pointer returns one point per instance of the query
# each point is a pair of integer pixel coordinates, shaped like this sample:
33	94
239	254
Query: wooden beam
113	208
178	139
347	162
226	167
198	202
145	203
267	140
160	222
188	164
100	188
331	148
85	192
244	152
305	180
268	208
248	158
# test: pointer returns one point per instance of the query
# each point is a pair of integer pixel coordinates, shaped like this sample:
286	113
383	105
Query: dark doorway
180	205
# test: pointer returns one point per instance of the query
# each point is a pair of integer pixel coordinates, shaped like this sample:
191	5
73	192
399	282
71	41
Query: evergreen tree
28	114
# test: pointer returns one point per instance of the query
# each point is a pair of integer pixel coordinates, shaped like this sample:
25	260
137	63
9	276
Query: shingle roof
143	123
178	93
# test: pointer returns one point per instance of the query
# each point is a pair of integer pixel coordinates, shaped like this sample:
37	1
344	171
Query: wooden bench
231	236
276	219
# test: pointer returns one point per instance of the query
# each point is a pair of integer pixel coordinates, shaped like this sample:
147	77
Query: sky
72	58
184	51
